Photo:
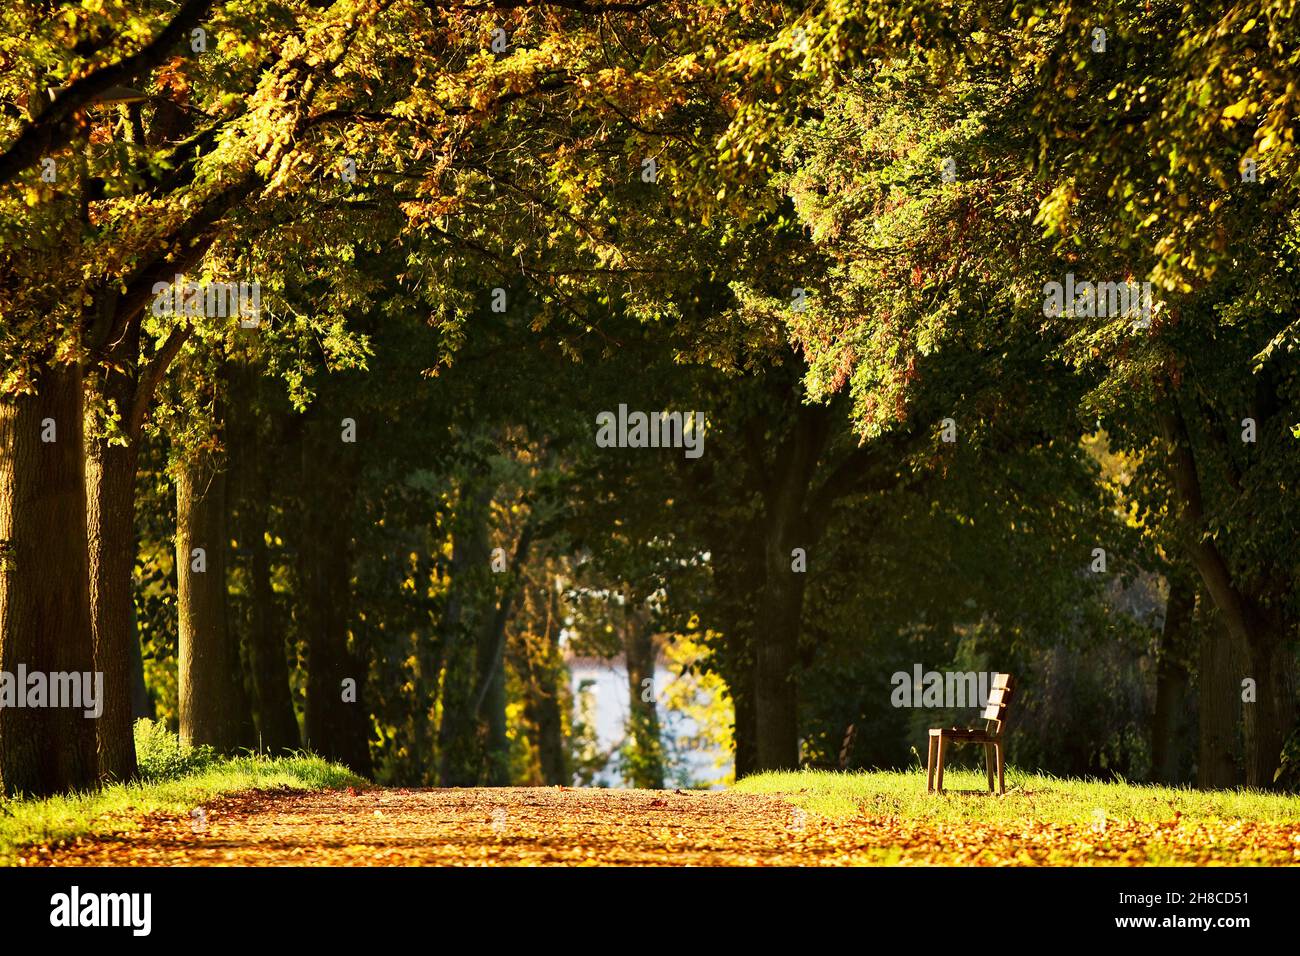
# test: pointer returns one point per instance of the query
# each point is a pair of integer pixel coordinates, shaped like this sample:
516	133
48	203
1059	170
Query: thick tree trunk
1169	730
45	583
1260	652
776	657
1260	638
1219	692
1271	717
336	716
120	383
336	727
209	680
110	499
110	493
786	527
776	696
647	763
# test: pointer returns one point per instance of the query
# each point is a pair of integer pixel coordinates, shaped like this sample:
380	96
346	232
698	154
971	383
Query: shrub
161	757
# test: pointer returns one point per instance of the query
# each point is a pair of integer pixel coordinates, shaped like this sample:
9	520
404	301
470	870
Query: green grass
120	807
1030	797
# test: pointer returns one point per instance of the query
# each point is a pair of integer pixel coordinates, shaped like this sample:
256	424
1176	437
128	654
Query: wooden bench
990	735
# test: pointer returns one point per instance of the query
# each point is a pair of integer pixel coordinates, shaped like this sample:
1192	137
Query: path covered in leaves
563	826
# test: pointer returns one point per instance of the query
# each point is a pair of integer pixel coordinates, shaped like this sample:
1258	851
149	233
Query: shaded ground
562	826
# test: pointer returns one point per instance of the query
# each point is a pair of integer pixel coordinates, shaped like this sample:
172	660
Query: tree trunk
1219	692
1270	718
209	679
776	658
110	500
45	583
490	702
110	493
745	732
1259	651
737	564
776	696
537	660
1260	638
142	706
548	716
458	747
490	709
268	664
120	383
645	769
1169	729
786	527
336	728
262	635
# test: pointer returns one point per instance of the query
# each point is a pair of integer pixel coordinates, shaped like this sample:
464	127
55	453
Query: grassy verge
1030	797
120	807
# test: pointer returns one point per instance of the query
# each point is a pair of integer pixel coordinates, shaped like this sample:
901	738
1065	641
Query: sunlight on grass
119	807
1034	797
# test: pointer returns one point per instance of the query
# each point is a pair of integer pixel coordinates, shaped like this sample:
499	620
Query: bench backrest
999	697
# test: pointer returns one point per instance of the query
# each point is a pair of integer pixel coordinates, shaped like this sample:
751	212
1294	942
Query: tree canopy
310	310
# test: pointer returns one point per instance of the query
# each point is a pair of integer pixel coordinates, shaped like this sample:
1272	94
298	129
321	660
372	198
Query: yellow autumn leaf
1238	109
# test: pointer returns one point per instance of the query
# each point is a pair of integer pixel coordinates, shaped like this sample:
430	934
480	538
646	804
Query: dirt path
563	826
523	826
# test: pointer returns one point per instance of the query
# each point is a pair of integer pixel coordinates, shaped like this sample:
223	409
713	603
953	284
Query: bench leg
929	765
988	764
1002	786
943	744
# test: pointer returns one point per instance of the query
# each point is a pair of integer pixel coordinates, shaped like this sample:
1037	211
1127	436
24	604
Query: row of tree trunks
67	550
45	621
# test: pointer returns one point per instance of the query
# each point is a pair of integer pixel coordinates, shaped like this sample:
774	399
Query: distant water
608	686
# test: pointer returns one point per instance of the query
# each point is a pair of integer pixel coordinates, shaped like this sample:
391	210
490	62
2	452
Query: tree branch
54	127
152	376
